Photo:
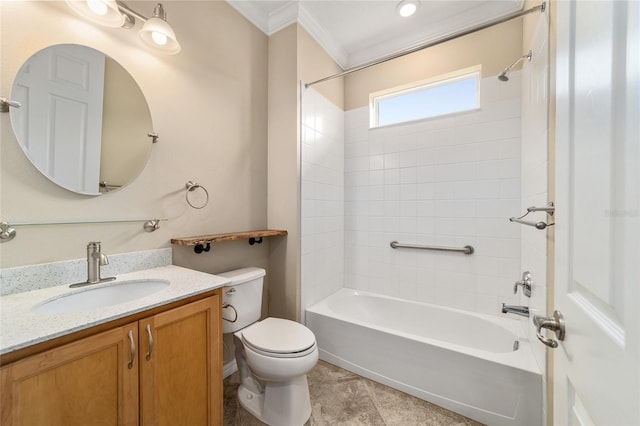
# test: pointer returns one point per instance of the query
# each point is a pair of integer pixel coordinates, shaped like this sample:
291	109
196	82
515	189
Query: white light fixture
407	8
156	32
102	12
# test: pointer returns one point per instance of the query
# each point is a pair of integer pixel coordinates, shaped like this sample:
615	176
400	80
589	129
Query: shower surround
451	181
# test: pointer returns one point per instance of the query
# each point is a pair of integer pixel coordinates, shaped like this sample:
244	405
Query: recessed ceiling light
407	8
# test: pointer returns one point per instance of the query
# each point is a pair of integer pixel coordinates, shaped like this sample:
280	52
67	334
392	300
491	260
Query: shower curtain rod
541	7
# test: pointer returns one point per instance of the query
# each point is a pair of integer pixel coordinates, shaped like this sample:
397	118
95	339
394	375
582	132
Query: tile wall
322	136
448	181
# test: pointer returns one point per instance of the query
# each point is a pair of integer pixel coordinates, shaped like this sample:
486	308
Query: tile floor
339	397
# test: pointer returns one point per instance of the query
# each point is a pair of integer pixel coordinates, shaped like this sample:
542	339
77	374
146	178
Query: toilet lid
278	336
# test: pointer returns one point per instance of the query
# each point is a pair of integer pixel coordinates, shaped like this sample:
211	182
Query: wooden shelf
230	236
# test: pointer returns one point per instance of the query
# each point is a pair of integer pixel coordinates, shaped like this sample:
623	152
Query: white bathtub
462	361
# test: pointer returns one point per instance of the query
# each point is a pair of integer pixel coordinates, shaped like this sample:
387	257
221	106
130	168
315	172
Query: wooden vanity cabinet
176	380
181	378
87	382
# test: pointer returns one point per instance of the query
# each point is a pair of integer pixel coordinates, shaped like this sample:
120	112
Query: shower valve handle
526	283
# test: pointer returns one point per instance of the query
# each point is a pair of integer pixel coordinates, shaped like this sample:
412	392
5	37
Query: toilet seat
279	338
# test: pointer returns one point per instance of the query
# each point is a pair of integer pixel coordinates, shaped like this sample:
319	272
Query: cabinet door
181	371
88	382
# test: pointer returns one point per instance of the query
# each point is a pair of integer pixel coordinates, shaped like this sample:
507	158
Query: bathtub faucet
523	311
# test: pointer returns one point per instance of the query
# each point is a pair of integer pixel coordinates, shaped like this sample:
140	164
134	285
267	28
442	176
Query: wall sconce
155	33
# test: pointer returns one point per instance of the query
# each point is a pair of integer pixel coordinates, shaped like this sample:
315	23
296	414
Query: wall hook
254	240
199	248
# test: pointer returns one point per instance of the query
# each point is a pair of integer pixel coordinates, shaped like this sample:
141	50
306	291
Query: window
451	93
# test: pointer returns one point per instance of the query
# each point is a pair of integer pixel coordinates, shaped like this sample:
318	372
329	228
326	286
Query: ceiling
354	32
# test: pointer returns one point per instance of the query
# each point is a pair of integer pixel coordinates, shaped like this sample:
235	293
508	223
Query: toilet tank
244	295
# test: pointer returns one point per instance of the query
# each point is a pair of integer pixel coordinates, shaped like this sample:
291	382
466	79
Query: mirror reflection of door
61	90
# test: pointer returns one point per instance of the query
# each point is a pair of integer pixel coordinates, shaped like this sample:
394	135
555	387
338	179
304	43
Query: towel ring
192	186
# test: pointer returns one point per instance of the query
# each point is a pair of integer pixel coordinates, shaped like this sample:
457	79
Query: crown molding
324	39
283	16
252	13
294	11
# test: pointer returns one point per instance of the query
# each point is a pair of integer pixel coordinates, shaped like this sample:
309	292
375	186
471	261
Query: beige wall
284	172
314	63
209	107
294	56
494	48
529	23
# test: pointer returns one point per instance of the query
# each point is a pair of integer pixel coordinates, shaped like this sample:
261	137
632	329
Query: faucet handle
526	283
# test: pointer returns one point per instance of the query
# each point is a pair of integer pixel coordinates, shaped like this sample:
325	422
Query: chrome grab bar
465	249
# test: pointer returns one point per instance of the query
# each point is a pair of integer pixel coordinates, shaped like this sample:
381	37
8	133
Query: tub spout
523	311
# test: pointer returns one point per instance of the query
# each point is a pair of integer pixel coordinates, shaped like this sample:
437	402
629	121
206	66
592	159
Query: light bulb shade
102	12
156	31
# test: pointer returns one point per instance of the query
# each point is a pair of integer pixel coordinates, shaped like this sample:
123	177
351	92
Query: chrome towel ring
191	187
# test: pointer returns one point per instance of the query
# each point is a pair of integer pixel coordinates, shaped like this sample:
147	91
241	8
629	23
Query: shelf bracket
199	248
254	240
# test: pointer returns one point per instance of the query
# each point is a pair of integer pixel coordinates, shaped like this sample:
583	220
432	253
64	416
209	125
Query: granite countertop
20	328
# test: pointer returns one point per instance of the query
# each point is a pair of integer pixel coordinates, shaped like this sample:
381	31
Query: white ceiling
354	32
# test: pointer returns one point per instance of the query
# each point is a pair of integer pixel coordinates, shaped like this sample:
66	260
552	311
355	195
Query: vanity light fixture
407	8
158	34
155	33
102	12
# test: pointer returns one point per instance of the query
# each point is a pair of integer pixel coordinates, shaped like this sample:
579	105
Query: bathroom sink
92	298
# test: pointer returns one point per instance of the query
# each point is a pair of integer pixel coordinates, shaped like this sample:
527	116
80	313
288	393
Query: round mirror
84	122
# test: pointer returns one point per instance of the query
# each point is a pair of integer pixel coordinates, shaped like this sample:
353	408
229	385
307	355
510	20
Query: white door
597	279
60	124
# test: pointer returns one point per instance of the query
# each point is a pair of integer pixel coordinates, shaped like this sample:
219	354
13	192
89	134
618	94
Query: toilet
273	355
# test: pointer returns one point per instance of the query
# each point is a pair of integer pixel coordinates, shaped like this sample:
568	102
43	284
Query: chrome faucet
523	311
95	259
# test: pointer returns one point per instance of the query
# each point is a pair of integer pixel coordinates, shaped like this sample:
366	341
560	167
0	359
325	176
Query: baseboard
229	368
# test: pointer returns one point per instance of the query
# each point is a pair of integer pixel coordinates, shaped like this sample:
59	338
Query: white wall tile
327	165
391	161
391	176
449	181
376	162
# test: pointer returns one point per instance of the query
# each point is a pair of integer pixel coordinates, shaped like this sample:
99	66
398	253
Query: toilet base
281	403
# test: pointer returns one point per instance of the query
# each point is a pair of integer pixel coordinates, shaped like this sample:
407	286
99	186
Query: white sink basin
89	298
